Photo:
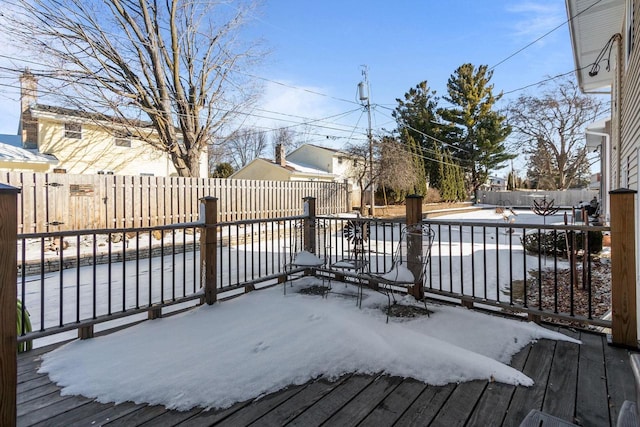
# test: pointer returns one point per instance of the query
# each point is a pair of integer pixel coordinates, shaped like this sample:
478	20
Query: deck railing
77	279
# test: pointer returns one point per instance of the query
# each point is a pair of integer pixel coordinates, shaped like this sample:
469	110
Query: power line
543	36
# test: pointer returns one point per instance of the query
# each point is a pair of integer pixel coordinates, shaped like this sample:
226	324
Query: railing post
414	241
209	249
623	268
310	224
8	297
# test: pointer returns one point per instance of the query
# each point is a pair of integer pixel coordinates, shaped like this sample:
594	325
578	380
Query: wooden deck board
425	407
395	404
458	408
591	398
212	417
620	384
140	416
43	412
332	402
365	402
260	407
299	403
584	383
101	417
537	368
560	395
494	402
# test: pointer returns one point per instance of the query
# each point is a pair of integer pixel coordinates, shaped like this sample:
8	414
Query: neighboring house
78	142
306	163
495	183
15	158
605	36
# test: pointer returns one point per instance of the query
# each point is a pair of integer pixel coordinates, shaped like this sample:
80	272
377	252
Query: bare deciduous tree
286	137
551	128
173	63
397	168
245	145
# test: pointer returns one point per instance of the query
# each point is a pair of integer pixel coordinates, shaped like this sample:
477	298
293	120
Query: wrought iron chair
299	260
409	263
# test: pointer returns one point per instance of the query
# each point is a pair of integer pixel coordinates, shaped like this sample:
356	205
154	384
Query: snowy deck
585	384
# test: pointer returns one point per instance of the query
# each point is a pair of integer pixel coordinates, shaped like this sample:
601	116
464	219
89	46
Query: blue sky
318	49
321	46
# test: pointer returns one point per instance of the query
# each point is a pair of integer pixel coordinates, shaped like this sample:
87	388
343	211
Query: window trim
122	139
73	130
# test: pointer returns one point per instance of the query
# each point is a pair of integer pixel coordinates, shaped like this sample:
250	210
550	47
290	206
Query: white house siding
628	164
630	108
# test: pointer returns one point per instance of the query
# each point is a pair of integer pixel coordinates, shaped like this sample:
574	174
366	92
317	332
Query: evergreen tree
222	170
415	116
481	131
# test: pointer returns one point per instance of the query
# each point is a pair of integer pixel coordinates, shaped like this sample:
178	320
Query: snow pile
214	356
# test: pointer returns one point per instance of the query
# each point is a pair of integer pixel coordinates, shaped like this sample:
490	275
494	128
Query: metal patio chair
300	260
409	263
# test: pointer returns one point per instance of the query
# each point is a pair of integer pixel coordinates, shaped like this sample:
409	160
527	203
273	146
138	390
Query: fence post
8	297
209	249
623	268
414	241
310	224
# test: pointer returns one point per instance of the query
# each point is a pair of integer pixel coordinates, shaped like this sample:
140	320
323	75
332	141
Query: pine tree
415	116
481	131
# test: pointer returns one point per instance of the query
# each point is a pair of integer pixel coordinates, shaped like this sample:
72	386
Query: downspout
618	108
605	185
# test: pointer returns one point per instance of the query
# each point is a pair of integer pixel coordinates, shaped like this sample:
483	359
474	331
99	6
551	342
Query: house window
123	139
339	160
73	130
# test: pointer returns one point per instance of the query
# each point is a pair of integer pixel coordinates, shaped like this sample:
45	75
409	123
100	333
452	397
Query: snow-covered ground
214	356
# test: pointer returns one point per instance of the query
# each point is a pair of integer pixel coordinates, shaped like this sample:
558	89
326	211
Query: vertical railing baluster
42	294
78	297
61	282
473	293
540	269
109	263
173	264
497	262
555	271
124	270
138	268
150	284
524	269
473	263
94	269
484	257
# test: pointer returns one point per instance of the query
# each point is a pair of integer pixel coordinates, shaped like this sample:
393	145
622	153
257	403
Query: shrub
23	346
432	196
559	247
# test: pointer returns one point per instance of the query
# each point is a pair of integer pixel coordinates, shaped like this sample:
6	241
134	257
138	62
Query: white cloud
306	109
534	19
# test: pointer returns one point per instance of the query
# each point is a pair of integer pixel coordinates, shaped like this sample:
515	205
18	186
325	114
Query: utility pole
363	91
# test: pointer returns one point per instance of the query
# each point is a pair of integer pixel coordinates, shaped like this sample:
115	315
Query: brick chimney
280	155
28	127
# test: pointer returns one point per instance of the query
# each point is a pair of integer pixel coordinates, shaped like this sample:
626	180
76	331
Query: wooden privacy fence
60	202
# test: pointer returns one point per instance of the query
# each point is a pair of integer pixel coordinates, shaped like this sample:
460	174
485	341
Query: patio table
357	265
